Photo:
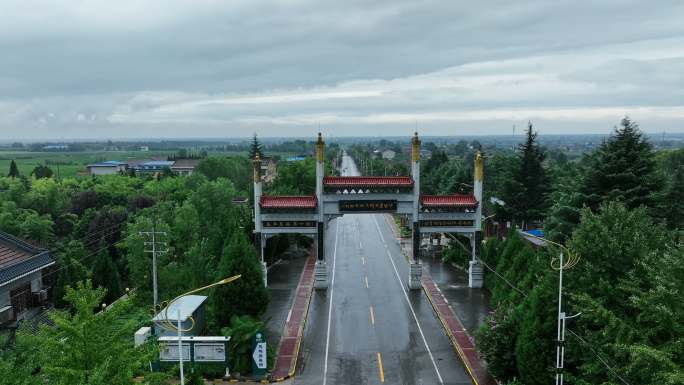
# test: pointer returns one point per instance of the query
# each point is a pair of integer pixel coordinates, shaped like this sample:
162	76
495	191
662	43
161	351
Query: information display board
168	351
210	352
368	205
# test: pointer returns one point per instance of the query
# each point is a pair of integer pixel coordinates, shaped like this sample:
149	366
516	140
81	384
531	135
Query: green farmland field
68	164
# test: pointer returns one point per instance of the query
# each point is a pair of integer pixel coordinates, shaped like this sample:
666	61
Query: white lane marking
332	288
415	318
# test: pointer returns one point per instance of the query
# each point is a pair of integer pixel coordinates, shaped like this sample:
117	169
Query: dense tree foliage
622	169
628	286
610	210
525	191
95	229
294	178
85	346
41	171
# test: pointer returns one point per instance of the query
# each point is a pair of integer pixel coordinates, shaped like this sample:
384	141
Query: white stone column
259	240
321	272
415	269
475	270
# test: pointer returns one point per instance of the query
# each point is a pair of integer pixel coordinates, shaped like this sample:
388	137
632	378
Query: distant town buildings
143	167
56	147
107	168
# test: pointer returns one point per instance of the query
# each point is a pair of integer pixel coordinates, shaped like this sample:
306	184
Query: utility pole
560	336
155	251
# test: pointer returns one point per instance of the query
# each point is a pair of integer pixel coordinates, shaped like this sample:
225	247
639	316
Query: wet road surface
368	328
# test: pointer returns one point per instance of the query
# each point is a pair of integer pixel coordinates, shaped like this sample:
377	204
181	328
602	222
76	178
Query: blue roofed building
152	166
110	167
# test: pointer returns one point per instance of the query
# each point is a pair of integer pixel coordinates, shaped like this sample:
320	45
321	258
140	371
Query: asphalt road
367	327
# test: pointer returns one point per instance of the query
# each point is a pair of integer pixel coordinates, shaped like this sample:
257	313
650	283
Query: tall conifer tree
106	274
255	148
622	169
526	191
13	171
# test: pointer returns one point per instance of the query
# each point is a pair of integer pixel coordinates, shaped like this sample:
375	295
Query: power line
599	357
610	368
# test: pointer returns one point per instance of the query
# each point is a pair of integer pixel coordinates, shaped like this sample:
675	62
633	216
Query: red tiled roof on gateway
368	181
288	201
457	200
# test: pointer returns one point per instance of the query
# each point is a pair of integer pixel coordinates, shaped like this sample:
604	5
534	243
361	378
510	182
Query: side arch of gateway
339	195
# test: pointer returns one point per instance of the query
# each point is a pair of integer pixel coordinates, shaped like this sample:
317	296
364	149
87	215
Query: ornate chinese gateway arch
339	195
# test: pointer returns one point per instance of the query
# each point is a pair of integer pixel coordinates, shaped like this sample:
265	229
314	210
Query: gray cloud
214	68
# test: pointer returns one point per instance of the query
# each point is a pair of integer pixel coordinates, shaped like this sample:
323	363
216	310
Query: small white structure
388	154
190	306
142	335
107	168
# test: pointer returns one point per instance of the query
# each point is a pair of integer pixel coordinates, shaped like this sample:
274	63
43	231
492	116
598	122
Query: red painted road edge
288	348
460	339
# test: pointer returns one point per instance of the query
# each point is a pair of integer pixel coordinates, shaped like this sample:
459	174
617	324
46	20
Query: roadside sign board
259	361
210	352
169	351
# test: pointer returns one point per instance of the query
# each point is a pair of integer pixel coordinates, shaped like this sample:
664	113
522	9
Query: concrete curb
290	342
459	337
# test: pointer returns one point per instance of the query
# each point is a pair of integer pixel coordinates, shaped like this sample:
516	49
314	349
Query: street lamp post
178	328
560	332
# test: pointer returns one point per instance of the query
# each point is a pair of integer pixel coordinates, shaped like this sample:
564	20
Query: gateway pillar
475	270
259	241
415	269
321	272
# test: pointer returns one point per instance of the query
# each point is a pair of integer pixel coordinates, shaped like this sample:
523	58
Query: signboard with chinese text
259	355
368	206
447	223
288	224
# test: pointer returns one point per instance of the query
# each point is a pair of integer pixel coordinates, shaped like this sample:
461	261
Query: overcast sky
167	68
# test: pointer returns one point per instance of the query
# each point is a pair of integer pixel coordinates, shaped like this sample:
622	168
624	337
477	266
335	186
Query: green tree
294	178
41	171
106	274
672	201
241	331
247	295
85	347
496	341
13	170
237	169
526	191
622	169
71	270
255	148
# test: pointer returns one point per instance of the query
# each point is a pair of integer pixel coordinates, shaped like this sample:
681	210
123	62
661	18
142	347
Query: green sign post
259	355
